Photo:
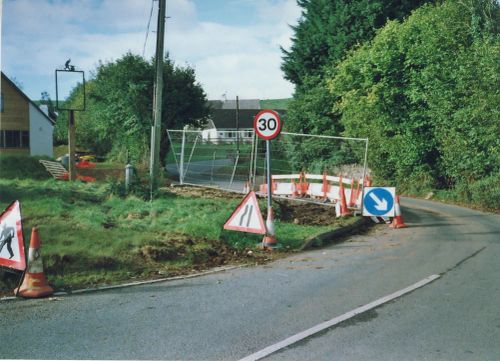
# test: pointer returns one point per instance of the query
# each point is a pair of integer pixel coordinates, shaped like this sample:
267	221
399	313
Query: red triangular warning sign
11	238
247	216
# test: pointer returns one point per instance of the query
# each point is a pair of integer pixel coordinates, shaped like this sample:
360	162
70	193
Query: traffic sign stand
267	125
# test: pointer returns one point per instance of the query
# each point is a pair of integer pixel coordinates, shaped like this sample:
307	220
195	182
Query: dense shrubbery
118	118
425	91
22	167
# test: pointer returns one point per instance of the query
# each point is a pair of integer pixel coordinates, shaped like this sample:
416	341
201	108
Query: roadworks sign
247	217
11	238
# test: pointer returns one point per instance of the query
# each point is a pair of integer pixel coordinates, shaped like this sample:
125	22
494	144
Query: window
14	139
25	139
1	103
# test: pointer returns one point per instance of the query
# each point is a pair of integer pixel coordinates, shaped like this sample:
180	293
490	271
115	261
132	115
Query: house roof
5	78
226	118
231	104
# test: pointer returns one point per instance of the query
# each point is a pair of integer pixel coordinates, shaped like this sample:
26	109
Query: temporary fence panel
305	167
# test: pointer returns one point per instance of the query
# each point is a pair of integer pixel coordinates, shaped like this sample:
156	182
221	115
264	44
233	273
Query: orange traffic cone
269	241
352	198
344	211
295	190
398	222
34	283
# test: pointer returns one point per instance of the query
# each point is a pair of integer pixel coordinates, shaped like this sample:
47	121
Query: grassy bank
483	194
93	237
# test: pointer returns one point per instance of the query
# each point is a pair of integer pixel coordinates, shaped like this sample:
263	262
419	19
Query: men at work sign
11	238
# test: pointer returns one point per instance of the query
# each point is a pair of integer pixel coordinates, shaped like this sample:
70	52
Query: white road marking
334	321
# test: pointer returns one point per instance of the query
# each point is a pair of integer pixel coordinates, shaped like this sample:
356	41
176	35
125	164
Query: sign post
267	125
68	80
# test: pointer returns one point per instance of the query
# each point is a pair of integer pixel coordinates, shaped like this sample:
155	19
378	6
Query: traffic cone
337	209
295	191
352	198
34	284
344	211
398	222
269	241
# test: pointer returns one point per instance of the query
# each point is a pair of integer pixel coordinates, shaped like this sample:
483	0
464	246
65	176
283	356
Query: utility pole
157	99
238	124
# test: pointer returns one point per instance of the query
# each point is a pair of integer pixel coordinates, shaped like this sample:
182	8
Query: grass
275	103
93	237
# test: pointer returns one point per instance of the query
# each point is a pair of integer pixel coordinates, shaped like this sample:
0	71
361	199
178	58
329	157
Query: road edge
332	236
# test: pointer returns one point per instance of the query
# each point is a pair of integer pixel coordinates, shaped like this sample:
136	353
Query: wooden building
24	127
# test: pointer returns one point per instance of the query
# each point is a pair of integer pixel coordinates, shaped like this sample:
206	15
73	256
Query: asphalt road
208	173
230	315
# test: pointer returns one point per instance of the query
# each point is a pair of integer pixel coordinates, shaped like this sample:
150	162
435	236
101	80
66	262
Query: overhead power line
147	28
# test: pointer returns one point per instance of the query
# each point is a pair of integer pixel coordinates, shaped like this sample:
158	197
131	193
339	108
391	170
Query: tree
324	35
425	92
329	28
118	118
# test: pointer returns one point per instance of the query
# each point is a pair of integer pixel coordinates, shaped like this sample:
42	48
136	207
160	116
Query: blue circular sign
378	202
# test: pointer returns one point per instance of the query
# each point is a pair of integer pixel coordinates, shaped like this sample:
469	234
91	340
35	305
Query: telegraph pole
157	99
238	124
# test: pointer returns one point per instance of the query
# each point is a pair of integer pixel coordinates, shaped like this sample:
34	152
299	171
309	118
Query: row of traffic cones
34	283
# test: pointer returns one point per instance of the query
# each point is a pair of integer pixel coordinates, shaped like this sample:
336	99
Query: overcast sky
233	45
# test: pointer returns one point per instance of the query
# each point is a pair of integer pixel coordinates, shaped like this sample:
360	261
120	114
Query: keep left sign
11	238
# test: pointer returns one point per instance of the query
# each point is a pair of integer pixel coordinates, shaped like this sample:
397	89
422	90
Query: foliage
275	103
329	28
22	167
119	107
325	33
426	94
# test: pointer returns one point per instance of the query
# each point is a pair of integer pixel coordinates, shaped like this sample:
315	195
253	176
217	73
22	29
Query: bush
22	167
486	193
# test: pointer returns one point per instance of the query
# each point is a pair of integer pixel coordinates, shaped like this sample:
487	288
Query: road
208	173
231	315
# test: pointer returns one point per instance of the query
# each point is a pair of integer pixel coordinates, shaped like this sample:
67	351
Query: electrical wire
147	28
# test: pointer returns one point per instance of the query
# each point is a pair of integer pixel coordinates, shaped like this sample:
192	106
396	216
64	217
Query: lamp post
67	80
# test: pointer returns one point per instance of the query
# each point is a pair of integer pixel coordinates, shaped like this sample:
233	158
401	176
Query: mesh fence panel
230	161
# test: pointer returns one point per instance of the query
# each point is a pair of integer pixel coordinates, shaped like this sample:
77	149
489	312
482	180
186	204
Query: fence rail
237	162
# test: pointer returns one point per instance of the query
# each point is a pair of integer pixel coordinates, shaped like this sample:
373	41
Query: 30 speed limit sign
267	124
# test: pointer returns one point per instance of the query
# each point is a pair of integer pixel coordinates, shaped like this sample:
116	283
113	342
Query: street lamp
68	81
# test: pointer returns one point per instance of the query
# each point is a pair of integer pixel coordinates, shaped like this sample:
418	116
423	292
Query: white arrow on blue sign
379	201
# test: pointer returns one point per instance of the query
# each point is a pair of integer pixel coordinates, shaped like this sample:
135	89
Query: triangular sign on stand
247	216
11	238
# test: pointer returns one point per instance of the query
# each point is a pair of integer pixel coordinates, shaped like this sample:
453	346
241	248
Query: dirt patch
306	213
198	192
286	210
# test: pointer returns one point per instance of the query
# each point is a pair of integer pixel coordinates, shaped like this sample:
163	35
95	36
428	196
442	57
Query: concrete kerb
138	283
331	236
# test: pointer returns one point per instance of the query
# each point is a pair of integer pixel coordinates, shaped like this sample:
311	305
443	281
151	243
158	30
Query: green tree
425	92
325	33
118	117
327	29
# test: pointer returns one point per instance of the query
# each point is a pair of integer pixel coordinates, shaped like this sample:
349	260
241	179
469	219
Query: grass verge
91	237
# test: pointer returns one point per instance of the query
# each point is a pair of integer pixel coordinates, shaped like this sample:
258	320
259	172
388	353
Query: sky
233	45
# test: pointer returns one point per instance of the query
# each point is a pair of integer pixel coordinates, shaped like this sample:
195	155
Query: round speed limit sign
267	124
